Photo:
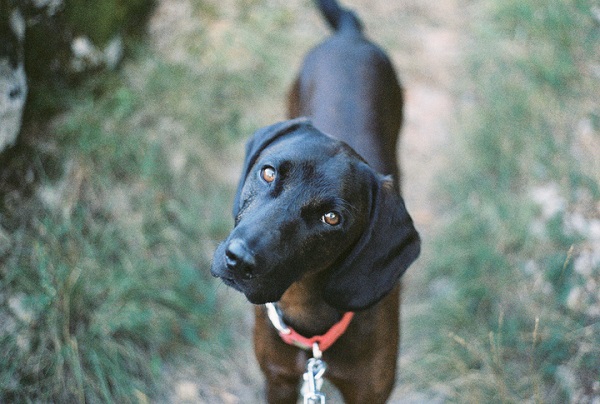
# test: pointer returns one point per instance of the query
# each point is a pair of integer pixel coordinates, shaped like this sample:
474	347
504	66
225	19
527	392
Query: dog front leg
282	390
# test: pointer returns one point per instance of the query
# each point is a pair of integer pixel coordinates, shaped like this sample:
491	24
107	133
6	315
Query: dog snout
239	257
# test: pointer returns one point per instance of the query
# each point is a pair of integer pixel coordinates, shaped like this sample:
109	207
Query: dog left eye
331	218
268	174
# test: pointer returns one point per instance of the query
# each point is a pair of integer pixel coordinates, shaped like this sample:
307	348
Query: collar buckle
277	319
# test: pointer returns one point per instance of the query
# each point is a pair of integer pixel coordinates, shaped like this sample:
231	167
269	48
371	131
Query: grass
109	219
101	277
109	214
519	312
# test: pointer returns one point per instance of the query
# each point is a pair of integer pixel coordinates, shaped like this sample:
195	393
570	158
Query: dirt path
423	37
427	54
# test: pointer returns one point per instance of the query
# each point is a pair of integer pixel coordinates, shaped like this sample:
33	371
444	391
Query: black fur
279	235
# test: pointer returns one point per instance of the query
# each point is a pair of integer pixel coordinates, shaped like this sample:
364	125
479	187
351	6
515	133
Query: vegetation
108	219
66	40
102	20
109	213
518	264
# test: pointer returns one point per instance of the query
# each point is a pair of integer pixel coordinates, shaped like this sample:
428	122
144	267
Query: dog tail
340	19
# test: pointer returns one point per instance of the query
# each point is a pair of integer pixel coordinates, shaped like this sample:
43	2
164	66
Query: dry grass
107	233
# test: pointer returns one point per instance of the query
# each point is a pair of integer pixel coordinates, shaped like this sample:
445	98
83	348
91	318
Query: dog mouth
256	293
230	282
258	289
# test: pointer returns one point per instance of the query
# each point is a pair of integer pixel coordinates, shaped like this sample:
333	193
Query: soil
425	39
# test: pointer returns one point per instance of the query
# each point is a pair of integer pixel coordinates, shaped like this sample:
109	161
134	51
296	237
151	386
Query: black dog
319	230
308	203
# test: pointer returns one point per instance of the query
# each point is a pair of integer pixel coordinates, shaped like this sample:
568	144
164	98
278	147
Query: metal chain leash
315	367
313	378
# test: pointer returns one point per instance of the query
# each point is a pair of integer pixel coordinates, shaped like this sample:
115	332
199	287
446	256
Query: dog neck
304	308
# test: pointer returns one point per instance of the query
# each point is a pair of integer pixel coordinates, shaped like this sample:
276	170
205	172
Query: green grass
109	214
103	274
109	219
518	318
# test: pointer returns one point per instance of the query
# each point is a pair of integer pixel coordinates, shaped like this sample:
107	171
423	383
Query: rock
13	82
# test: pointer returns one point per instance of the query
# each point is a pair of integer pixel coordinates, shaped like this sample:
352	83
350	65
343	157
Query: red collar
290	336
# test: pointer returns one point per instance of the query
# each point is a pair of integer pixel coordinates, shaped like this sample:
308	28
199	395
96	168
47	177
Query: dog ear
261	139
387	247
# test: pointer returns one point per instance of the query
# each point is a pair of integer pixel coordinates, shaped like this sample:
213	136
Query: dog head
307	203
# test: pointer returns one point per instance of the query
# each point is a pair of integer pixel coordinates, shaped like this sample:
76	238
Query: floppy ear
388	246
261	139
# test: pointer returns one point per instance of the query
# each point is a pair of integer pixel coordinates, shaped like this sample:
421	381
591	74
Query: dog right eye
268	174
331	218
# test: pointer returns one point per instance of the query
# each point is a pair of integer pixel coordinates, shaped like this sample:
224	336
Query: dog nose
238	256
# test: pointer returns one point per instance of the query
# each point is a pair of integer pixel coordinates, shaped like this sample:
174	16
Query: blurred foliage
100	275
110	212
520	314
51	61
102	20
